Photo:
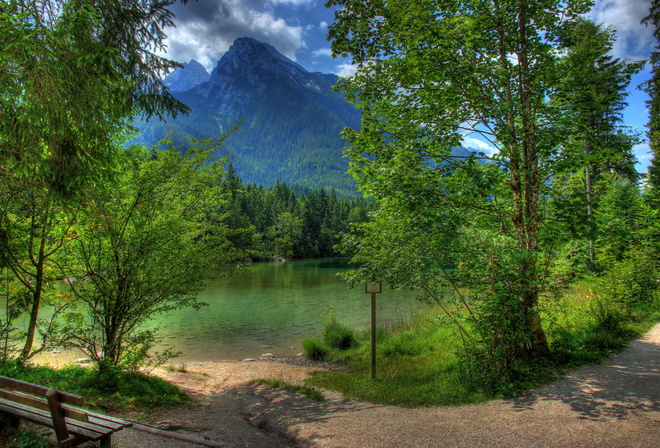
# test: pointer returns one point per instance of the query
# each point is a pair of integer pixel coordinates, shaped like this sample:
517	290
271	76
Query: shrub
337	334
314	349
634	280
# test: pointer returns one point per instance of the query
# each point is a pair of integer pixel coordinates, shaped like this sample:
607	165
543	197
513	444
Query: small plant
337	334
314	349
181	368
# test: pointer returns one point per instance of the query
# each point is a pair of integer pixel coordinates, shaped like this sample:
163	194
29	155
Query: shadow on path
628	383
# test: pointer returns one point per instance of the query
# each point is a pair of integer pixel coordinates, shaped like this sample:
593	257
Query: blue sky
297	28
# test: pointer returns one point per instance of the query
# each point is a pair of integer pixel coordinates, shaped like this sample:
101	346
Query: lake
268	308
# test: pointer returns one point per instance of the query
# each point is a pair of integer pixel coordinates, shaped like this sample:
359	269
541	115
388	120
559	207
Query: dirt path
616	404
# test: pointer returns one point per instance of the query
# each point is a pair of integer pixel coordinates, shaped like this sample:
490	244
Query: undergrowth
125	391
421	360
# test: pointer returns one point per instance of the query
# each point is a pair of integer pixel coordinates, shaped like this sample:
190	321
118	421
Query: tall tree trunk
36	300
530	222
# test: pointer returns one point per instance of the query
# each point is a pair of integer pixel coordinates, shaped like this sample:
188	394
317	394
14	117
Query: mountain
185	78
292	118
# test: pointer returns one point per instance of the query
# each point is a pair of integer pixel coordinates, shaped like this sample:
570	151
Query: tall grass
417	364
421	362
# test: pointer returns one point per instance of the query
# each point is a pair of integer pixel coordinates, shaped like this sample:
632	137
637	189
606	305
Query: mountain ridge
292	119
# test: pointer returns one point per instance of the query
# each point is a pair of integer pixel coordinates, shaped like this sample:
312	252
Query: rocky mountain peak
185	78
256	63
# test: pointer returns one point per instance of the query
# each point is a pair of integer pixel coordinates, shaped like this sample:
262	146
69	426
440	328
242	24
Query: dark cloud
205	29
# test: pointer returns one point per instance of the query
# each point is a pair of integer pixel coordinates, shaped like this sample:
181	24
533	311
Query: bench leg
106	441
12	421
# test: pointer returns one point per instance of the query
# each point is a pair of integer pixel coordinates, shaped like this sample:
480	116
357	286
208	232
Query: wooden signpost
373	287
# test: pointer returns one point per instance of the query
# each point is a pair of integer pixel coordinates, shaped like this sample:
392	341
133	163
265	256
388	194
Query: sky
298	28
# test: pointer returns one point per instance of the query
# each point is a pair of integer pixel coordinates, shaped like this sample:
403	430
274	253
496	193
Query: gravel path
616	404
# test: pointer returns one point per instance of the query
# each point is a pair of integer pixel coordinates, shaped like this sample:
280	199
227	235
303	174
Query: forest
134	231
276	222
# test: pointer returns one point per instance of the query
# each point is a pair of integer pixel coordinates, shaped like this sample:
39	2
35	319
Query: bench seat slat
85	430
45	420
109	419
106	423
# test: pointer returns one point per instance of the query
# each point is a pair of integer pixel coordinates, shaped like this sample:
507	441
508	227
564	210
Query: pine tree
652	87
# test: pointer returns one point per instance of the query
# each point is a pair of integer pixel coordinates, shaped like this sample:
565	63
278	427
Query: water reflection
269	308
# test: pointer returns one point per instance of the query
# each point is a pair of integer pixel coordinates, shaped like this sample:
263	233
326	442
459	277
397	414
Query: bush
314	349
337	334
633	281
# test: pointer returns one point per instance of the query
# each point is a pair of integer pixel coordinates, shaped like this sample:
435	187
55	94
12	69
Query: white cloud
643	153
322	52
634	40
345	70
205	30
479	145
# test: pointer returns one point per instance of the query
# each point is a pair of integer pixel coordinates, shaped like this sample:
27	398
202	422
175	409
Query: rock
169	426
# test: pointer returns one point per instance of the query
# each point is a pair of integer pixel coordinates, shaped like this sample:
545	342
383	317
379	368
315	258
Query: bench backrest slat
41	391
40	403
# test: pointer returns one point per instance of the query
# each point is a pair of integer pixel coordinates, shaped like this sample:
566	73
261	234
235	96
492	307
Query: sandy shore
616	404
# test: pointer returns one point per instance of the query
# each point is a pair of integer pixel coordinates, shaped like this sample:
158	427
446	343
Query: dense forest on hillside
278	222
298	149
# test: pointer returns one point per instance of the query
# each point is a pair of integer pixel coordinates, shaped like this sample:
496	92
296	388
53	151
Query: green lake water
270	307
266	308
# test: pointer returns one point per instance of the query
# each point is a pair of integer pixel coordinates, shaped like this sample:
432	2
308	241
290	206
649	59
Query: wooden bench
55	409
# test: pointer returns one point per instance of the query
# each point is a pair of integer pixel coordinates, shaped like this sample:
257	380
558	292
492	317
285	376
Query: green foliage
36	226
145	245
22	437
337	334
416	366
633	281
124	391
314	349
71	74
541	88
264	223
422	361
652	87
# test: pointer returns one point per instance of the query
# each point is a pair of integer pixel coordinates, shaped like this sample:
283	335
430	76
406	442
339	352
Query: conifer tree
652	87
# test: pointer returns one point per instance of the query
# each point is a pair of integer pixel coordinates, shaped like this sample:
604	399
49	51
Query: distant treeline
285	221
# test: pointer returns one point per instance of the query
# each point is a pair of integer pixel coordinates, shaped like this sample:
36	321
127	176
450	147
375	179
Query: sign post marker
373	287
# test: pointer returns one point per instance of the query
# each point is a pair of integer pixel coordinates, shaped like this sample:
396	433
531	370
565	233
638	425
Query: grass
417	365
128	391
309	392
584	327
24	436
420	362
